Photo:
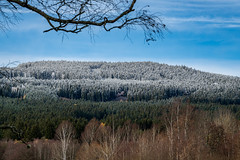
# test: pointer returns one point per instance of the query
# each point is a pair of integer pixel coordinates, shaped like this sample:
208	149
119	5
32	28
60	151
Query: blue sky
203	34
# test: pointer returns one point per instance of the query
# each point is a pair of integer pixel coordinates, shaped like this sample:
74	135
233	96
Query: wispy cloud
197	13
30	22
24	27
171	4
202	19
184	23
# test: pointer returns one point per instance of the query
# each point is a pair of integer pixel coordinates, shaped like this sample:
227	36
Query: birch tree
64	150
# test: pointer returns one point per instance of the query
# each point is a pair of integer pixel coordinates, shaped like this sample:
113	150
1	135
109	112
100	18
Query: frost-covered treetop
118	70
137	80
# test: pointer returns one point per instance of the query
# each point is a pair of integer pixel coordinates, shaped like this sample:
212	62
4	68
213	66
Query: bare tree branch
76	15
5	71
17	132
8	15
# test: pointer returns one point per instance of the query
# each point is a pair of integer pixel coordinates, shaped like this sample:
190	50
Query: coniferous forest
105	81
133	111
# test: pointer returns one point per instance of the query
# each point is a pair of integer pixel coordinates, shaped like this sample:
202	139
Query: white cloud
192	3
196	15
198	23
202	19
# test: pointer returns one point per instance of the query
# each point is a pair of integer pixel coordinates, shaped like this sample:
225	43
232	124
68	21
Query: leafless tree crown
76	15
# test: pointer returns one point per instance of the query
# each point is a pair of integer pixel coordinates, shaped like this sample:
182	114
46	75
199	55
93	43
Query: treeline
183	131
140	71
102	90
112	89
102	81
40	118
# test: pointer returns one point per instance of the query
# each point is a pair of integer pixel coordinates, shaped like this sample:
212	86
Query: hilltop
104	81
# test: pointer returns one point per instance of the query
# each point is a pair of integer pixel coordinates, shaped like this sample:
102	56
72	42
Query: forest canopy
131	81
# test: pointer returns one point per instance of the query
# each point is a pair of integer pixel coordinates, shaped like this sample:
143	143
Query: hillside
105	81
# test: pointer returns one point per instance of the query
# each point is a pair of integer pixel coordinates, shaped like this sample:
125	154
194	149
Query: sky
202	34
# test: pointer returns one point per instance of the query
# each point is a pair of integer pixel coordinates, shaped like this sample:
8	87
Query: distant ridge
103	81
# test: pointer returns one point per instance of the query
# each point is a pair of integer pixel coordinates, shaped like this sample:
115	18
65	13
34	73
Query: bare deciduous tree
65	134
178	120
42	149
90	131
226	119
77	15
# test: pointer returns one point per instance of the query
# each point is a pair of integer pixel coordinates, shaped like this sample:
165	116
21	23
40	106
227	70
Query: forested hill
104	81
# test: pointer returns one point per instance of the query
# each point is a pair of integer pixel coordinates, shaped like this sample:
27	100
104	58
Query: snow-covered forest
105	81
48	98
